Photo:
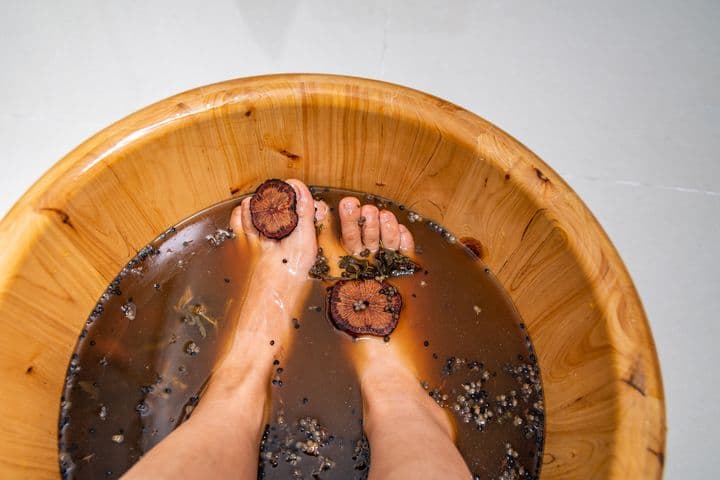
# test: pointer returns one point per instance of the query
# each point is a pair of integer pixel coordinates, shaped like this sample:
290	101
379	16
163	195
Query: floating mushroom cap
272	209
364	307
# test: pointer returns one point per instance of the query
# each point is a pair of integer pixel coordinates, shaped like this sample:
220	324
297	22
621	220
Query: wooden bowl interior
71	233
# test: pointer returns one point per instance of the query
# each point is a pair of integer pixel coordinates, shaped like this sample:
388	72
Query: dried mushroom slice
364	307
272	209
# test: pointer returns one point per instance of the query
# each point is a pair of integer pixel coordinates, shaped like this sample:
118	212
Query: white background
621	98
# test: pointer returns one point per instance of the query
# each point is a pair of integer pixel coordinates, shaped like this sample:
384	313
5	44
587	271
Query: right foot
409	434
386	369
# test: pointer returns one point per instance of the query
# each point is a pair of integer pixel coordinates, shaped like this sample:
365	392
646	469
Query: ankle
387	379
397	395
236	396
273	284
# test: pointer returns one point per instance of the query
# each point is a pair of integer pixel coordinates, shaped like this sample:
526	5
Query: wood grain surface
72	231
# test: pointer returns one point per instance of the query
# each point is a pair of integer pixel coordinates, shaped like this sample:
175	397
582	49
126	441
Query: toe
389	230
305	205
407	242
370	227
349	210
236	219
246	220
321	211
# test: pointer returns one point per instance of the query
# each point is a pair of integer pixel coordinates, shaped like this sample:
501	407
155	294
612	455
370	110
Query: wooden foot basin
70	234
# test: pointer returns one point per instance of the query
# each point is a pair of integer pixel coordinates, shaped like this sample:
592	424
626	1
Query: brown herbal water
149	346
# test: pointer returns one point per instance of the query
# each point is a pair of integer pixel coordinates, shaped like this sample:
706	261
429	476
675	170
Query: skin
395	407
221	438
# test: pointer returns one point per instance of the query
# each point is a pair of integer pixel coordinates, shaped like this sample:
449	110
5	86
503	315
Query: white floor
621	98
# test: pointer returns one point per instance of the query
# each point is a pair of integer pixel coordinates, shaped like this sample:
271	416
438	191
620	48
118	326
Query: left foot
276	290
223	433
279	282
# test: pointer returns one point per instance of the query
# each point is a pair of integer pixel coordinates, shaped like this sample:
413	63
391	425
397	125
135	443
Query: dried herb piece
361	456
320	268
356	268
219	236
301	445
194	315
364	307
191	348
272	209
89	388
394	264
129	310
385	264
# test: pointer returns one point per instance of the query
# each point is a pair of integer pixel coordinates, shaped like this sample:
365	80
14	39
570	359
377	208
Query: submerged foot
232	408
382	363
279	282
395	405
365	229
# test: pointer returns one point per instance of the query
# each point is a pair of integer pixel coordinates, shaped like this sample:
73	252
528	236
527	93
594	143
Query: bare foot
276	290
395	406
221	437
365	227
279	282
